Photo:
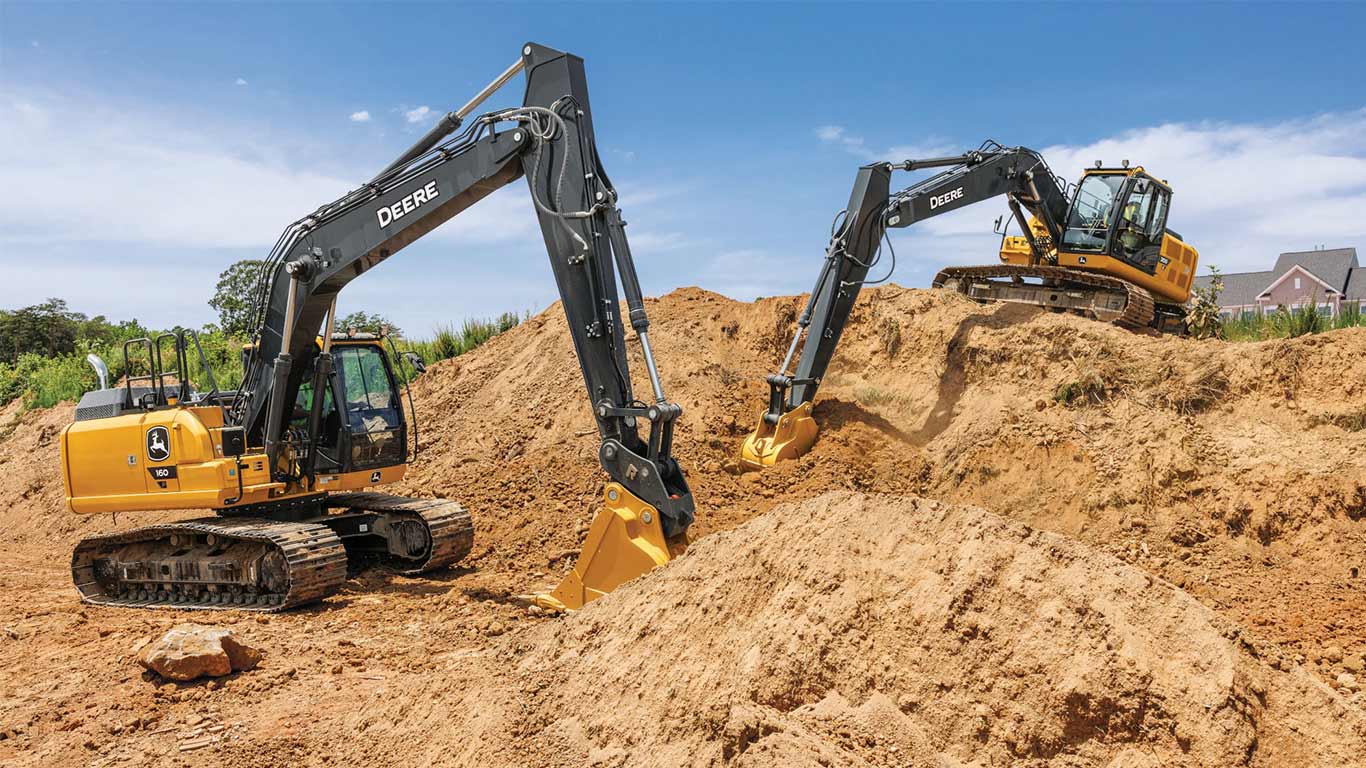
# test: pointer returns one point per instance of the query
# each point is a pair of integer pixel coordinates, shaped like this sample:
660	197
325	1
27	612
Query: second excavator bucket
791	437
624	541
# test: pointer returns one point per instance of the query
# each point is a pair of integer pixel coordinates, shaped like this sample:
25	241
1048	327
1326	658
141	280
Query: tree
48	329
1202	314
234	295
367	323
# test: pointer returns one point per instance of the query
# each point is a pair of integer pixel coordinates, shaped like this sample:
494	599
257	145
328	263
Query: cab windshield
369	392
373	418
1092	212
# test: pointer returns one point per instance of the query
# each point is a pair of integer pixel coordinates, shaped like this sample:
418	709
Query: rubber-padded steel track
1138	305
448	525
307	559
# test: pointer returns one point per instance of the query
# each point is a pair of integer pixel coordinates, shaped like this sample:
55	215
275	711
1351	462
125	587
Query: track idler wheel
792	436
625	541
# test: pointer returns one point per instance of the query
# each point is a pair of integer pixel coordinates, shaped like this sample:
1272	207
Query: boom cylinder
284	362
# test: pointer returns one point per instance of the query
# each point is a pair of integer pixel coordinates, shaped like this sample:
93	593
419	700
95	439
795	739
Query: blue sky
145	147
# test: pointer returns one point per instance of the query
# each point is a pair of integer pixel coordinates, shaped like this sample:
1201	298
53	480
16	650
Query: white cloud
363	116
151	192
645	241
838	135
1243	192
420	115
145	181
241	81
142	180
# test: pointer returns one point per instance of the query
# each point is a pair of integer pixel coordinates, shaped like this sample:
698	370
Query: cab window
1093	209
329	421
368	389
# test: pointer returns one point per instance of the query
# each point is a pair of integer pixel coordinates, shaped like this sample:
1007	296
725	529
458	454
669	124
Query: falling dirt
1168	570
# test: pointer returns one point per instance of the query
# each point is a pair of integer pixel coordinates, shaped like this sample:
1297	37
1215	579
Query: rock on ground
190	651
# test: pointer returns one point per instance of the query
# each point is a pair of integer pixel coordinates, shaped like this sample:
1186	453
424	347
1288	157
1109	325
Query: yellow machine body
792	436
110	465
1170	281
624	541
106	466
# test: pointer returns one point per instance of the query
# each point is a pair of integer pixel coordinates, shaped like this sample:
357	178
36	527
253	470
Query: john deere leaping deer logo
158	444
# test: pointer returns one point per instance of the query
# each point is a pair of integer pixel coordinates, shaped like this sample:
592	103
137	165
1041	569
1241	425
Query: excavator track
245	563
449	530
264	565
1136	312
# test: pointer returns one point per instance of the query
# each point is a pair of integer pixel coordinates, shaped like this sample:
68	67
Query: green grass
448	341
1289	323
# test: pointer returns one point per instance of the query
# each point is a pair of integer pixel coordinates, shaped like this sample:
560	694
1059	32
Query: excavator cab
362	424
1122	214
1116	227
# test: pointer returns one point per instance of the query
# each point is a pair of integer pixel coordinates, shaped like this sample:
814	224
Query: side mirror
416	361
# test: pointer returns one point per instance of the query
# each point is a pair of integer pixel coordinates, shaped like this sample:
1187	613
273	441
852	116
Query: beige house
1328	279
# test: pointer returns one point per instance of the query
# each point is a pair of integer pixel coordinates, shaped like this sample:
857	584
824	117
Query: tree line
43	347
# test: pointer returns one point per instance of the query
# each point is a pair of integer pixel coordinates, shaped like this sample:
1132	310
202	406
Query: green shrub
1300	321
447	342
54	379
1248	327
1350	316
1202	315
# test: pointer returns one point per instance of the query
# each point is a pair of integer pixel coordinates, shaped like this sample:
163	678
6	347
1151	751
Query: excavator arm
549	140
786	428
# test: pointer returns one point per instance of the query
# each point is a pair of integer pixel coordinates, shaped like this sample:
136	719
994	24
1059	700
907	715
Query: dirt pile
1231	473
879	630
1235	470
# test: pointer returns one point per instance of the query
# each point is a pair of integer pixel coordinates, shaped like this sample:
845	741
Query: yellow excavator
287	460
1104	252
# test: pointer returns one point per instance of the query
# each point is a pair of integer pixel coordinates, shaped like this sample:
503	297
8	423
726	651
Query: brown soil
832	627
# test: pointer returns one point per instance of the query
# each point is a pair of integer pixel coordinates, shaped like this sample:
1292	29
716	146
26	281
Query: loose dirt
1188	589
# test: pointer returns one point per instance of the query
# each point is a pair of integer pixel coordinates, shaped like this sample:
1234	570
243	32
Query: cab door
374	429
1142	222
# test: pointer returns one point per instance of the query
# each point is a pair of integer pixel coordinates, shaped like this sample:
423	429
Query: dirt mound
879	630
1235	472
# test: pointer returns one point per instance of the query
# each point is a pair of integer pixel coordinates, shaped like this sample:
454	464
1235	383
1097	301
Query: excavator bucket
791	437
624	541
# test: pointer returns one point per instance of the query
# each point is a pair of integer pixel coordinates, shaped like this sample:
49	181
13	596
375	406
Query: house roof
1241	287
1356	284
1299	269
1330	266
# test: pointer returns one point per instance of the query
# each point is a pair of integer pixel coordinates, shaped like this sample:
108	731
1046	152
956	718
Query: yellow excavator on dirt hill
1104	252
284	460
